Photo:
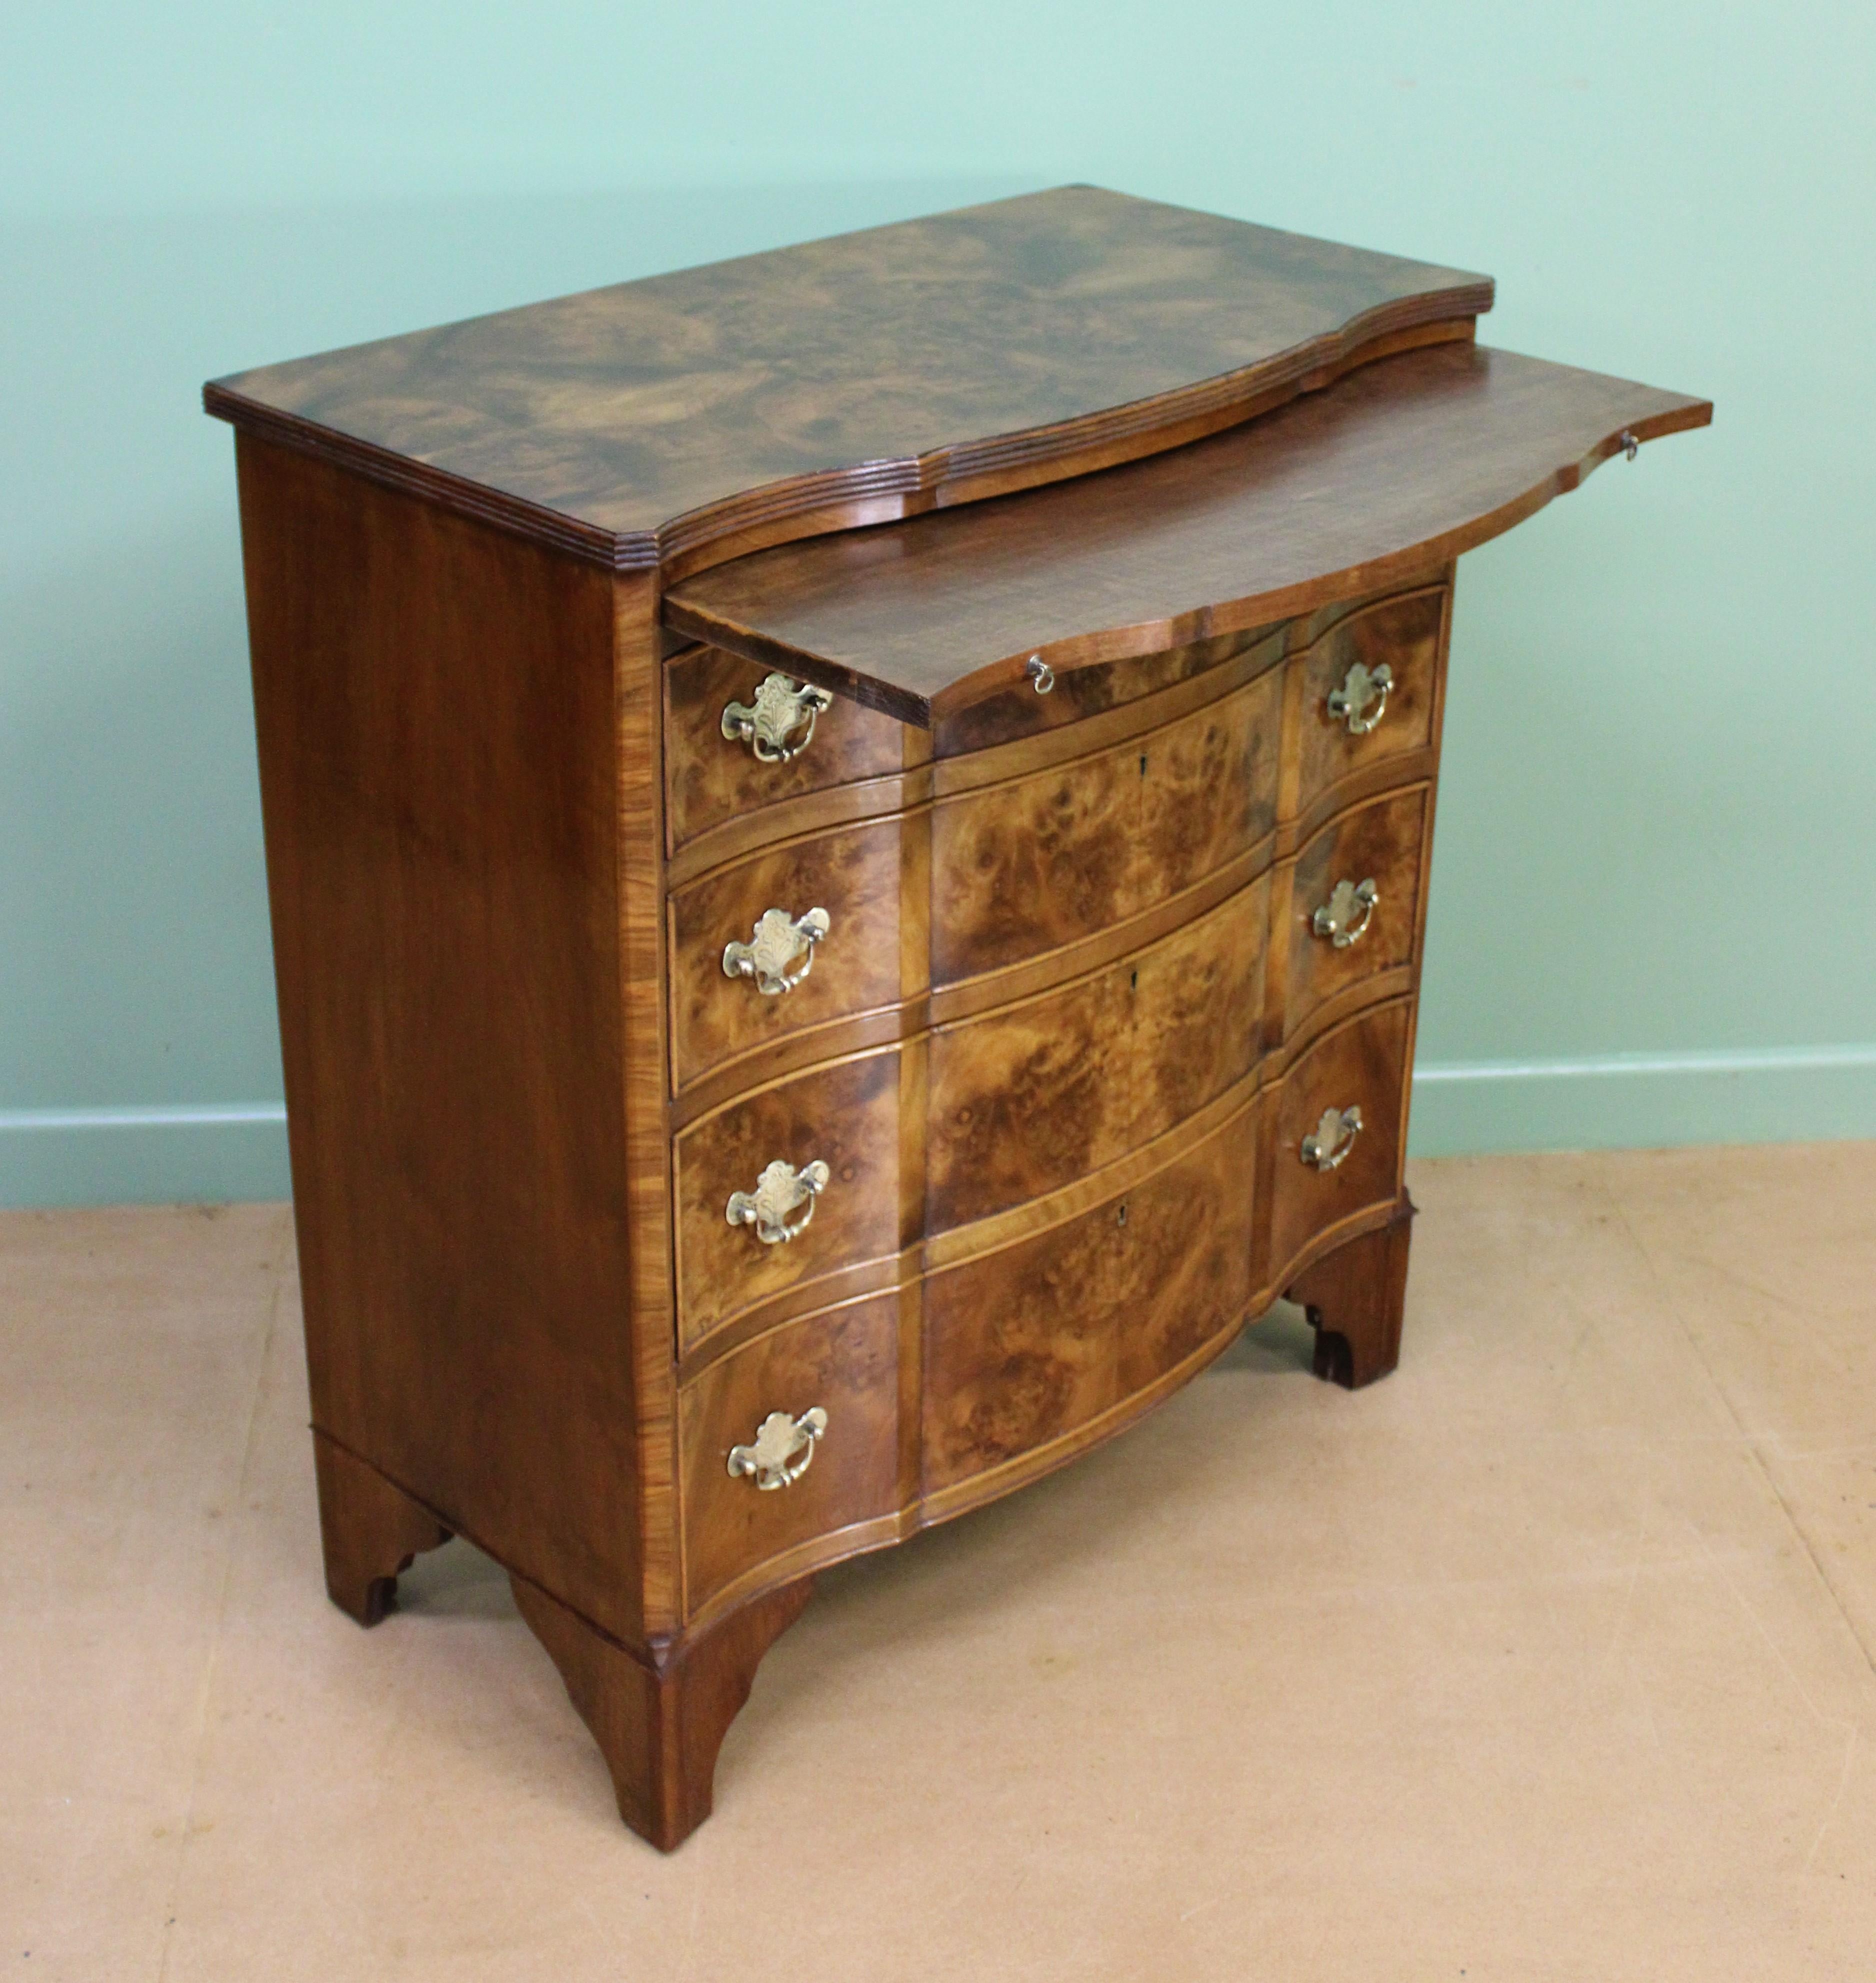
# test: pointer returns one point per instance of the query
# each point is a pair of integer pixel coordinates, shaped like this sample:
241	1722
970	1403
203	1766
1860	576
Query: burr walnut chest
848	837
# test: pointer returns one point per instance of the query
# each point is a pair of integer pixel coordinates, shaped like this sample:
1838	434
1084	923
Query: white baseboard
215	1152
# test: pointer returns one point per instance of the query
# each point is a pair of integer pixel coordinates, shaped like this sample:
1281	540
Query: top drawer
740	737
1370	685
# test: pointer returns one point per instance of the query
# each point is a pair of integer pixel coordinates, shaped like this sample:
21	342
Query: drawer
1354	900
852	876
1025	1346
1091	691
792	747
1361	1065
1346	723
1024	868
841	1365
844	1117
1026	1099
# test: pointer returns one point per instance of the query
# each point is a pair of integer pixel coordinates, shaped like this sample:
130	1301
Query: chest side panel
434	703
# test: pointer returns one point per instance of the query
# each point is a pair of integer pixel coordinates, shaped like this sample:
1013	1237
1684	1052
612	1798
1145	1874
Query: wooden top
1402	464
871	376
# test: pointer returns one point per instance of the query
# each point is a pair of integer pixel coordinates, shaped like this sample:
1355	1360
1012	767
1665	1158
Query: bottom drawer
1325	1168
1025	1346
841	1365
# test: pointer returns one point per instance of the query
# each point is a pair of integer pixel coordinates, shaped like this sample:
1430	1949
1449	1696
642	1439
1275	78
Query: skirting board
211	1153
219	1153
1620	1101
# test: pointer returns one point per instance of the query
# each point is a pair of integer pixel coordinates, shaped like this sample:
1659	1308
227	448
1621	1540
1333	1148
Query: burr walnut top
683	419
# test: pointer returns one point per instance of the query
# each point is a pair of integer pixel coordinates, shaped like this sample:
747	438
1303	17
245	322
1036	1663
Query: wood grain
1380	842
856	875
1004	738
1401	633
847	1362
1017	1103
1364	1062
1031	1096
1397	467
1355	1300
1016	713
1024	1346
659	1721
370	1531
1041	862
644	970
713	779
859	376
844	1115
434	703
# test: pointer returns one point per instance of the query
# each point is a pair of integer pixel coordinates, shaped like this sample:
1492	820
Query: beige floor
1549	1657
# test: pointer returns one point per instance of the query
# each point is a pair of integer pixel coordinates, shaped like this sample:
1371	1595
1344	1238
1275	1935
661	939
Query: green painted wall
1655	888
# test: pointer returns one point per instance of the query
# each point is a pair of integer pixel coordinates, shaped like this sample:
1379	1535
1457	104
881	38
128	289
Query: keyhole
1133	982
1143	764
1120	1215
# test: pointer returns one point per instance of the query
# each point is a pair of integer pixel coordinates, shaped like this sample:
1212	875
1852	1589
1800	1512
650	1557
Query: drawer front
1401	635
843	1364
1022	868
845	1117
1025	1346
1091	691
711	778
852	876
1027	1098
1354	900
1361	1065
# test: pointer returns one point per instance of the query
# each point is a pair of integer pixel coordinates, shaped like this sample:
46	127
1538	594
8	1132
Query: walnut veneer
800	1015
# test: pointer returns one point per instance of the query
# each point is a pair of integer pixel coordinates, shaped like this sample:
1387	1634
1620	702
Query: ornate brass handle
780	1192
781	952
1362	689
1328	1145
771	1455
781	709
1346	915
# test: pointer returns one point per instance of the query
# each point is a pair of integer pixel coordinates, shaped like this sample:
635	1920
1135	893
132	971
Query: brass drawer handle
1328	1145
1362	689
1346	915
779	944
780	1192
781	709
770	1456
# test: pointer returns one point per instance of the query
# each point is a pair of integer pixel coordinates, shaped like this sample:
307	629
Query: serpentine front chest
848	836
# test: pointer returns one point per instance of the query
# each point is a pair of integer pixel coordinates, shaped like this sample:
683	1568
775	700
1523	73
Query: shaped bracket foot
1355	1299
371	1530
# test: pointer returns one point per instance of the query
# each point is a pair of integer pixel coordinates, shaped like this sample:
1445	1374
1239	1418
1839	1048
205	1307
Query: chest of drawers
848	836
